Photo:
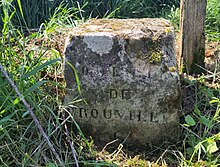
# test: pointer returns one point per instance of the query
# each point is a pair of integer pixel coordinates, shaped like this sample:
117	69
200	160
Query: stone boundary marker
128	77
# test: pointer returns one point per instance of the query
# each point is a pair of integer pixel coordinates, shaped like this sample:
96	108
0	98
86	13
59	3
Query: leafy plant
34	63
19	135
202	130
174	16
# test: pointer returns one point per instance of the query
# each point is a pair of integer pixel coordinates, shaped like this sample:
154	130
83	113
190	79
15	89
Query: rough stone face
128	80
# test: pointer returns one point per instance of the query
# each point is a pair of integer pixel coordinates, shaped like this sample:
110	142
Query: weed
32	60
201	127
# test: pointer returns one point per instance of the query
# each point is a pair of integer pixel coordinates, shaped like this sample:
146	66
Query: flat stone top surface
128	28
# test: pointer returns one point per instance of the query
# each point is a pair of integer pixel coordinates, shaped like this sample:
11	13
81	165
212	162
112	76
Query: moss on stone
154	52
168	29
172	69
154	57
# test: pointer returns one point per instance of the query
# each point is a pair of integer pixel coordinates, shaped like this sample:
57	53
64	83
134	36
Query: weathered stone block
128	77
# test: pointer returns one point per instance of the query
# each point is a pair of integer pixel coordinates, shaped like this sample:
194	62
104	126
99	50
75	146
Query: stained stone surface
129	81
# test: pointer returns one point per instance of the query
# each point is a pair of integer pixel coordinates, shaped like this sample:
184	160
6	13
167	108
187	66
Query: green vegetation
154	57
35	12
201	133
33	60
212	19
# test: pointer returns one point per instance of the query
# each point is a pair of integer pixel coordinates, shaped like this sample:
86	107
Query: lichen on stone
153	57
151	52
99	43
172	69
168	29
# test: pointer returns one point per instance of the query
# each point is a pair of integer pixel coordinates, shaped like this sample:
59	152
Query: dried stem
70	142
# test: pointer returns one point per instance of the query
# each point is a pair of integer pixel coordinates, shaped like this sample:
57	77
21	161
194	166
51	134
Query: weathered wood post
192	35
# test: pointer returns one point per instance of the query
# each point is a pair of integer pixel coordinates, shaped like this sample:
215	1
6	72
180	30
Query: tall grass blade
7	118
32	114
20	7
34	87
38	68
76	77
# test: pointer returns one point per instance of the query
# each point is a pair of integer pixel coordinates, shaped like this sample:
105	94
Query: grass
213	20
212	23
36	12
33	60
201	126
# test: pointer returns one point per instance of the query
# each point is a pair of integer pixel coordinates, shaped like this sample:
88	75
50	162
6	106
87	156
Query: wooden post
192	35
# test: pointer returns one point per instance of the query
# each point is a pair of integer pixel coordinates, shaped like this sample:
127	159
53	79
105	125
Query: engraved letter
117	112
125	94
113	93
131	115
139	115
152	118
115	71
82	111
109	115
85	70
94	113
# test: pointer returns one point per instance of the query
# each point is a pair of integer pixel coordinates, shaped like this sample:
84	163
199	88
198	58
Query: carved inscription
136	116
115	93
115	71
123	94
96	71
107	114
85	70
